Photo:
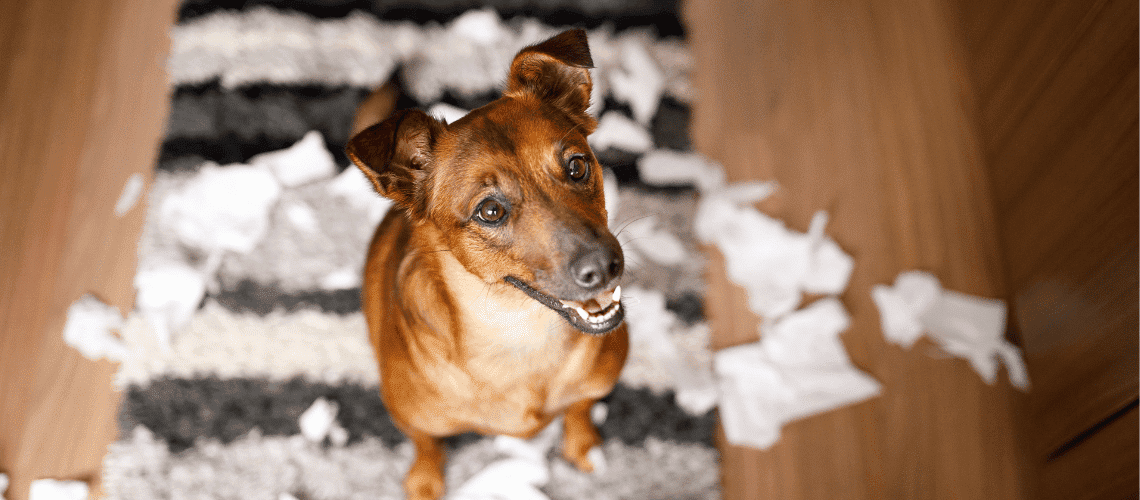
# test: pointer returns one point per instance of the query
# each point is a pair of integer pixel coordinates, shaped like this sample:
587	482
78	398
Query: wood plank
1104	467
860	108
83	104
1059	118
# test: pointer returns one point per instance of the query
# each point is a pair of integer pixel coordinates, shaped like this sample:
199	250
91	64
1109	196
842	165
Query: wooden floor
861	108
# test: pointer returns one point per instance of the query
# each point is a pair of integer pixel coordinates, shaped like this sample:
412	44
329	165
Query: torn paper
305	161
446	112
638	82
129	197
610	189
3	485
50	489
520	474
966	326
222	208
615	130
89	326
319	422
651	328
352	186
662	167
774	264
799	368
647	238
167	296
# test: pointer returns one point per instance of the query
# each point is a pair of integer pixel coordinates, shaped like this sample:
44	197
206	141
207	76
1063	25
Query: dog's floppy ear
395	155
557	71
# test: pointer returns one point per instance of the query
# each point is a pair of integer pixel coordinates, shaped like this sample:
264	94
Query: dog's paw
424	486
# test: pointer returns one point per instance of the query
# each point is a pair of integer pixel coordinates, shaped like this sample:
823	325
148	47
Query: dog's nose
595	269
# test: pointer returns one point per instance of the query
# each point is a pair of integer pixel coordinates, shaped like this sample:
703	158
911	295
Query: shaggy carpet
213	400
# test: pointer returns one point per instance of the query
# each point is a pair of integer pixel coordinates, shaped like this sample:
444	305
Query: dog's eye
577	169
491	212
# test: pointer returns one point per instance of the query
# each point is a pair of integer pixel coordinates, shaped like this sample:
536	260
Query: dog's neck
492	319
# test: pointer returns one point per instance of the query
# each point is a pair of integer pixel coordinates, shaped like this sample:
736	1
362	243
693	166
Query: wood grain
1101	468
1057	85
83	99
862	109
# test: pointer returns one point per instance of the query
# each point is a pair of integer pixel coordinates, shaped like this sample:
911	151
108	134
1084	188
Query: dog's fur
496	244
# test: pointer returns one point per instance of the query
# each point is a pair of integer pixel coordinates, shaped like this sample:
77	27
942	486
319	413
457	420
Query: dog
490	288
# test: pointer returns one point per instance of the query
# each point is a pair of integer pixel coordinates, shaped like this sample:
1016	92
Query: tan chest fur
516	352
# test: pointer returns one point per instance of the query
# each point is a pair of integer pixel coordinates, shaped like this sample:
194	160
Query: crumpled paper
447	112
964	325
638	81
51	489
89	326
319	422
222	208
774	264
799	368
167	294
305	161
615	130
646	237
129	197
650	324
520	473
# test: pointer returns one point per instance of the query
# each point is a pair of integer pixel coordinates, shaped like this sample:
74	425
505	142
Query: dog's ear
395	155
557	71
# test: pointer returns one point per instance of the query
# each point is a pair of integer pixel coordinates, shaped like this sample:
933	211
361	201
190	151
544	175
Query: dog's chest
516	348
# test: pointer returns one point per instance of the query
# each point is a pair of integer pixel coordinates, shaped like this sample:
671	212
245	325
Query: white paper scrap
662	167
222	208
305	161
447	112
613	199
89	326
352	186
646	237
799	368
319	422
639	81
615	130
650	327
519	475
964	325
129	197
774	264
167	296
3	485
50	489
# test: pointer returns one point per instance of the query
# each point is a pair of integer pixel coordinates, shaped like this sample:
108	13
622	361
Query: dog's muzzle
593	323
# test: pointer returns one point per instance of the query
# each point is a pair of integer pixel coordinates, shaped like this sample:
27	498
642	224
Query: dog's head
513	187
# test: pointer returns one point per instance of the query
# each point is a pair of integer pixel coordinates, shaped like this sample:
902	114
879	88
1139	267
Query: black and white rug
270	255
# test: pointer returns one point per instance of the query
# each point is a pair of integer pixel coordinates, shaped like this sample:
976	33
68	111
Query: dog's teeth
582	312
617	294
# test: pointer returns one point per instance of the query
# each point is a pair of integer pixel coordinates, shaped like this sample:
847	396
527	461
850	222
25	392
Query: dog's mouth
597	316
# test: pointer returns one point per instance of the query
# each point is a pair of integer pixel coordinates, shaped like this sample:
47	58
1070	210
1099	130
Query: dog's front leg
579	437
425	478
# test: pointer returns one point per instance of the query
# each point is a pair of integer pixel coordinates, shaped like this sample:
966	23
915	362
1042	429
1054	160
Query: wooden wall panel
1057	111
83	101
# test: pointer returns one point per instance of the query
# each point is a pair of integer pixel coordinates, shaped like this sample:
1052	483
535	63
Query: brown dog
490	286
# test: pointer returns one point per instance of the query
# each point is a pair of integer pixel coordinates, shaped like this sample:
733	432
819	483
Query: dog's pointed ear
557	71
396	156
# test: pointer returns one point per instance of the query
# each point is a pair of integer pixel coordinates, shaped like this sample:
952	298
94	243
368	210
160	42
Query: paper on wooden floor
966	326
799	368
89	326
50	489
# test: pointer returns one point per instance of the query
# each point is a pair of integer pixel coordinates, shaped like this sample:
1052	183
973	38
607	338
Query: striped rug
214	413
